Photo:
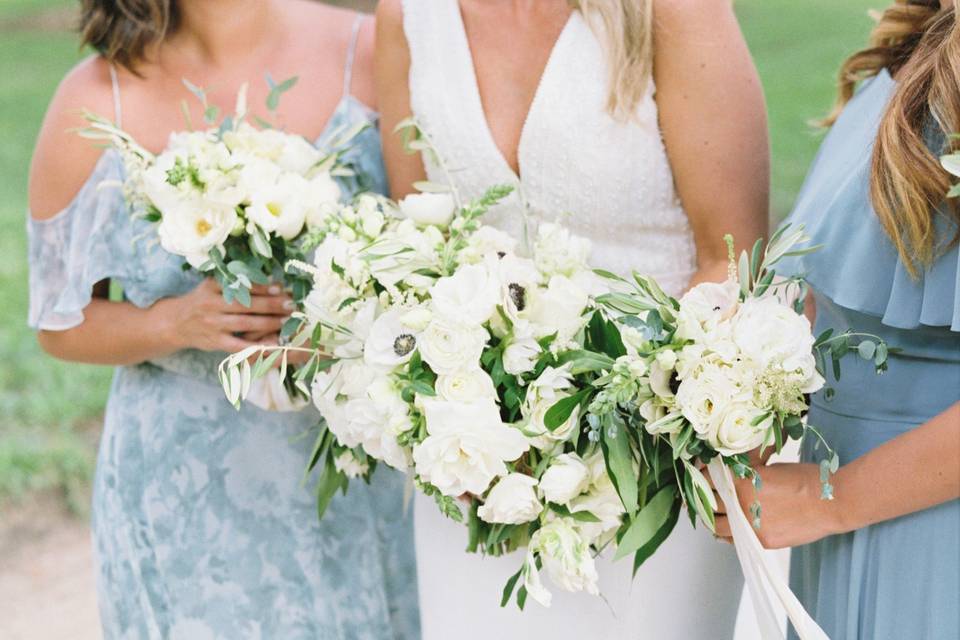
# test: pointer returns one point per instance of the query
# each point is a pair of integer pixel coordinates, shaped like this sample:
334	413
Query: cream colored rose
513	500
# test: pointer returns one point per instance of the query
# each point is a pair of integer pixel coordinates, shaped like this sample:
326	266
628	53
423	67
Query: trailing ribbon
767	588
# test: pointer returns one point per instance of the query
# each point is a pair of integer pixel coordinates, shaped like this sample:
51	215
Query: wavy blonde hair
918	42
626	28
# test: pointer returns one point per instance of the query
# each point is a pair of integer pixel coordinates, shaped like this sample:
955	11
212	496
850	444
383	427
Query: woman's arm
914	471
714	124
391	73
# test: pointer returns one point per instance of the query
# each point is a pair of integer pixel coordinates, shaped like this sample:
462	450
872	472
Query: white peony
468	385
390	343
435	209
704	306
449	346
470	295
467	446
194	227
513	500
565	479
559	252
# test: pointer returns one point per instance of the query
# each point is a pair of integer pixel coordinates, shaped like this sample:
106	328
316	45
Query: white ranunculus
559	252
522	351
417	318
467	446
195	227
559	308
350	466
470	295
486	242
469	385
772	334
435	209
565	479
449	346
390	343
279	208
704	397
733	432
566	556
513	500
704	306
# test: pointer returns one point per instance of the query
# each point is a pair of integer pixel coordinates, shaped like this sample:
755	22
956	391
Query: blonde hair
919	43
626	28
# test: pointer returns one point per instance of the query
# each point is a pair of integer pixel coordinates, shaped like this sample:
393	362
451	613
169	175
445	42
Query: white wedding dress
610	182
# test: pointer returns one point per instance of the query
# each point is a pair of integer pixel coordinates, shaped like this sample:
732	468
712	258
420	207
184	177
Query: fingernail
288	305
274	290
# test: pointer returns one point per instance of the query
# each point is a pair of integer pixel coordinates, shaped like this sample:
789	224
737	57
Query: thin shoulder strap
351	53
117	110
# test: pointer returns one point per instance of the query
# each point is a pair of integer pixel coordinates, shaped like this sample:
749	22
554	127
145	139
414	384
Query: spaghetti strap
117	110
351	54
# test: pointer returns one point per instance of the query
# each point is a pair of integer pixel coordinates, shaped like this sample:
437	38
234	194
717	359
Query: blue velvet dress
899	579
203	525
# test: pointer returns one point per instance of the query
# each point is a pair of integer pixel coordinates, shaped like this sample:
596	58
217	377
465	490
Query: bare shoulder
62	160
363	84
672	14
390	13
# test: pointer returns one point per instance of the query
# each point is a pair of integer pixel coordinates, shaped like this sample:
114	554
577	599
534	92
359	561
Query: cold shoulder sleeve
858	267
91	240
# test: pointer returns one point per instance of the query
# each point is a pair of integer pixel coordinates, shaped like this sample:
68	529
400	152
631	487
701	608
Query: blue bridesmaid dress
899	579
203	525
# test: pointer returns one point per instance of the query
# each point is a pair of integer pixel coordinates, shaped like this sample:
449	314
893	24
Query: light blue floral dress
203	525
898	579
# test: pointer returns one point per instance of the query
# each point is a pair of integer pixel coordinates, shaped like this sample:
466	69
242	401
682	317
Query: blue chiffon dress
899	579
203	525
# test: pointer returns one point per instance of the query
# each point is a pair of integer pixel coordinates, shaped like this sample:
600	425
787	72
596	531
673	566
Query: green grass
45	405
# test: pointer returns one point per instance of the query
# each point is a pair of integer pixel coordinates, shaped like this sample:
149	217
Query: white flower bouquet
436	348
232	199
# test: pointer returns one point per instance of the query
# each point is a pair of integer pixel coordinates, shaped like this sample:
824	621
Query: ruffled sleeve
91	240
858	267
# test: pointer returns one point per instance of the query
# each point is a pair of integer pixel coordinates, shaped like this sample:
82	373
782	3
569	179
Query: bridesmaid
202	526
882	560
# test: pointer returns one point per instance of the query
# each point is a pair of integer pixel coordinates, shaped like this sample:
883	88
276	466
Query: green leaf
647	523
647	550
330	481
619	459
508	589
586	361
558	414
867	349
210	114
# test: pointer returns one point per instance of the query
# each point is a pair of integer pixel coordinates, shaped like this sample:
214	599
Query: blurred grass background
49	411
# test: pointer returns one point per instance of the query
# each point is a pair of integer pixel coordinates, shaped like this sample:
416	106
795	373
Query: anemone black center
404	344
518	295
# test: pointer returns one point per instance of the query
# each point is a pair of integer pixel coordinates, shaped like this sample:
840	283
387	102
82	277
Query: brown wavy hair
122	30
918	42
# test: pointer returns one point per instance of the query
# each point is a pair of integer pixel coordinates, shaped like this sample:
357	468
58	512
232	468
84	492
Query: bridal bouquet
233	200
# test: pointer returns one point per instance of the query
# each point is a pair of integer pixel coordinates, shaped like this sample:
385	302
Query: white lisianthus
194	227
468	385
390	343
559	252
467	446
566	478
487	242
704	306
734	432
435	209
321	197
470	295
297	154
603	501
522	350
350	466
279	208
559	308
513	500
566	556
449	346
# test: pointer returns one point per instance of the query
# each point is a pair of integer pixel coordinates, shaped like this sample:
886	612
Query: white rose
704	306
558	252
350	466
513	500
390	343
704	397
469	385
467	446
558	308
734	434
435	209
565	479
566	556
772	334
485	242
470	295
449	346
194	228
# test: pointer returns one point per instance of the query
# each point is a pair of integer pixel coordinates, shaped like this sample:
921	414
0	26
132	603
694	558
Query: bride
558	99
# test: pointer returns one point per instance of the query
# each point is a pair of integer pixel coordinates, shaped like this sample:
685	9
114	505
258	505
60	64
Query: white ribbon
767	588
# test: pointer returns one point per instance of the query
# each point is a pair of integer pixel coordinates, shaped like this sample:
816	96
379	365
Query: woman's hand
203	320
792	512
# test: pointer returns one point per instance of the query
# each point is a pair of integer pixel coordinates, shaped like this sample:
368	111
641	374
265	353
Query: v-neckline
517	174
